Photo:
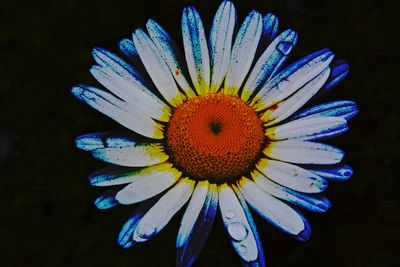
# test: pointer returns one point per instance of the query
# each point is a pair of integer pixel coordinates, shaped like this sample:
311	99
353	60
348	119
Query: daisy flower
218	127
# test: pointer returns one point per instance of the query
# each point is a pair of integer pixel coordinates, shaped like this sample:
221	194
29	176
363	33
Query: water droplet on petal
146	231
242	248
237	231
230	214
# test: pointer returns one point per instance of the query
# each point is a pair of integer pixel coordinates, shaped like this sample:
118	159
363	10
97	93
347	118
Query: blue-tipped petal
315	202
221	43
341	172
125	235
270	26
118	110
306	233
106	201
293	77
189	246
269	62
196	50
344	109
243	52
260	261
128	49
92	141
340	69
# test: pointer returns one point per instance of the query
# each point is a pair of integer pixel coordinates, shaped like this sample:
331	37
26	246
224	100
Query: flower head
222	126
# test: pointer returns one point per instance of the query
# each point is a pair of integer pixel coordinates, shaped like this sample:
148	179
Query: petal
269	62
272	209
221	43
293	103
125	236
340	69
133	92
116	175
196	223
162	212
170	54
128	49
290	79
196	50
237	225
344	109
243	52
118	111
292	176
260	261
147	184
106	200
303	152
157	68
308	129
270	26
92	141
341	172
315	203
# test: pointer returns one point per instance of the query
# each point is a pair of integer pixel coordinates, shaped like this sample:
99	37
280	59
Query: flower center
215	137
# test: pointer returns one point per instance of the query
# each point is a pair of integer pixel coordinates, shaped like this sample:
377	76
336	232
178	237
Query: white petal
192	211
236	223
292	176
315	203
303	152
157	68
293	103
270	208
292	78
147	184
243	52
270	61
162	212
308	129
196	50
116	175
170	55
119	111
221	43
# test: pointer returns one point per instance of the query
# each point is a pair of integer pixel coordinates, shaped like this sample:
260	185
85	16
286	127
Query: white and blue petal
243	52
236	224
157	68
171	55
115	175
314	202
340	69
196	223
122	150
340	172
221	43
147	183
119	111
290	79
162	212
106	200
292	176
343	108
286	108
196	50
308	129
269	62
272	209
303	152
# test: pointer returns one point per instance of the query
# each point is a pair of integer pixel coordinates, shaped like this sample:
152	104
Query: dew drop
242	248
237	231
284	47
230	214
146	231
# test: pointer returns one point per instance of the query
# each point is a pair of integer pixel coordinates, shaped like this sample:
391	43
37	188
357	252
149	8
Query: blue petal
344	108
191	248
270	26
341	172
128	49
106	201
340	69
92	141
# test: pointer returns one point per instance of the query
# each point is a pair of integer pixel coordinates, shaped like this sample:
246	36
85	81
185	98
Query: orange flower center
215	137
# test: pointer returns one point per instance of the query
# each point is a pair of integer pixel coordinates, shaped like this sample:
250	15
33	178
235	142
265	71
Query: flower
218	126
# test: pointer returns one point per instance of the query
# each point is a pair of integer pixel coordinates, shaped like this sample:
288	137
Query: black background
46	211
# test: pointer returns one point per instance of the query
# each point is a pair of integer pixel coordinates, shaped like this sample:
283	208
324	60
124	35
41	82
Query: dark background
46	211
